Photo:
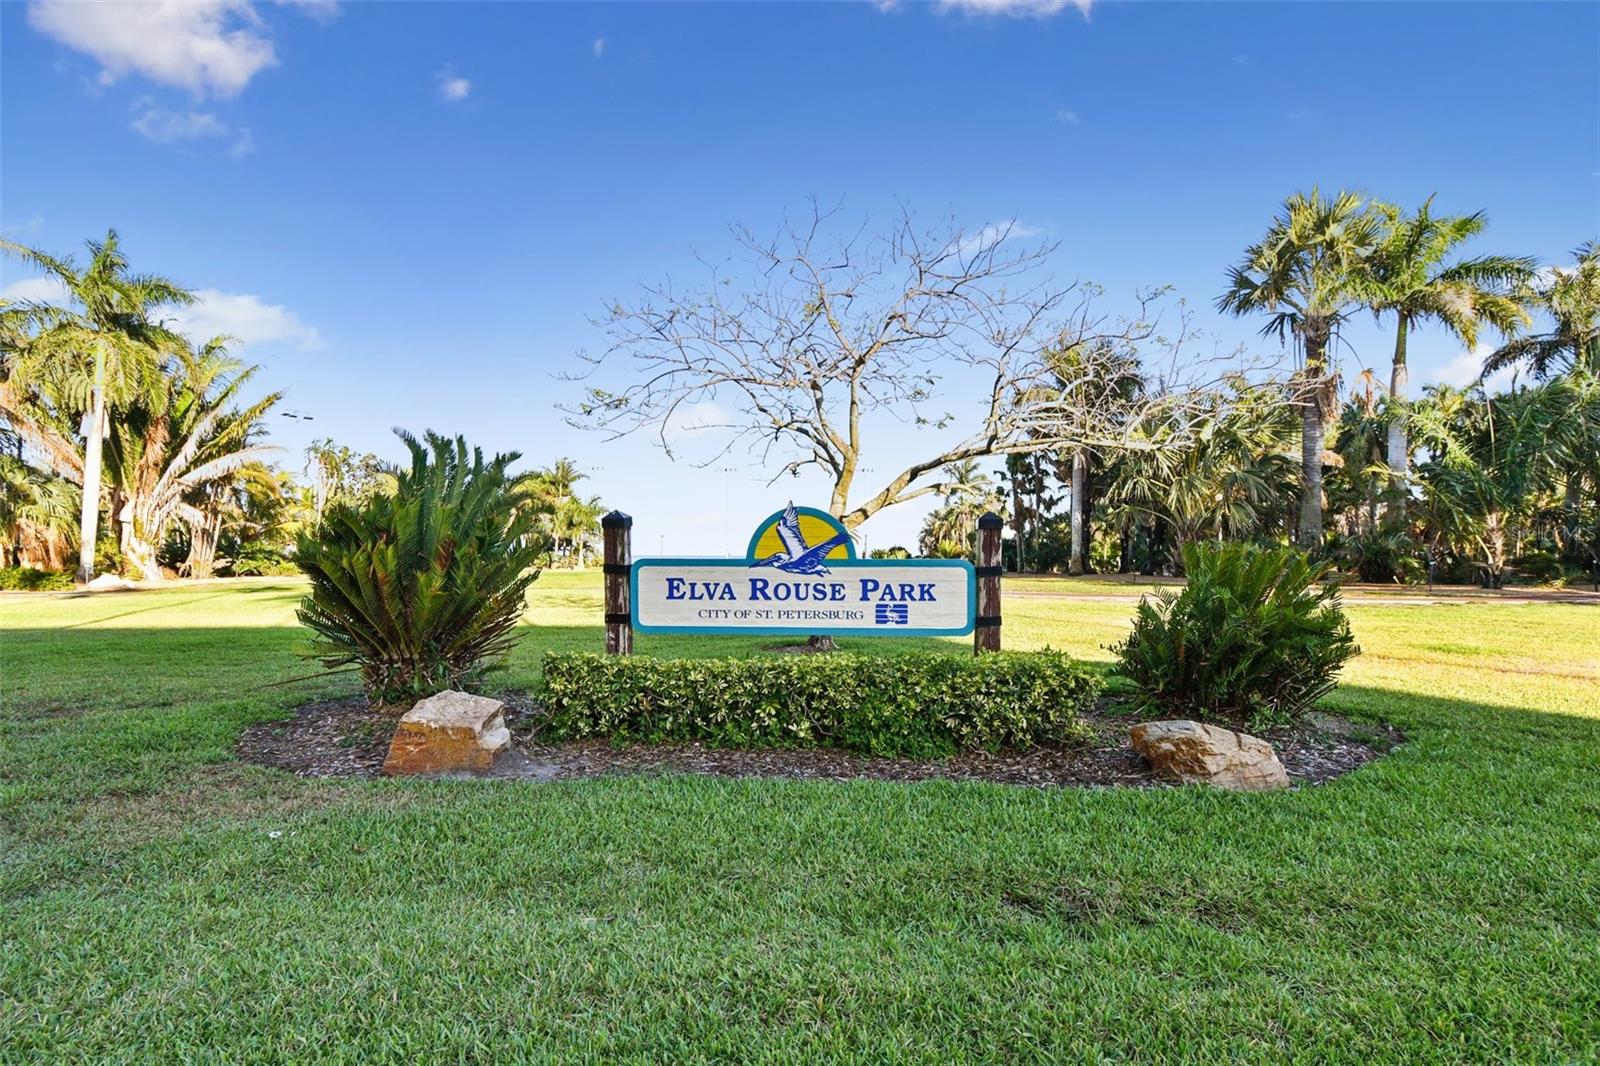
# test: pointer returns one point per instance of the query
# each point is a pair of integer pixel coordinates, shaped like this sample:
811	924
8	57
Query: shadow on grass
75	680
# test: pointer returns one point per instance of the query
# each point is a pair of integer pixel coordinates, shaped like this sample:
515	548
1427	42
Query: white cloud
26	228
321	10
599	47
1067	117
162	126
1464	368
246	317
42	290
199	45
1017	8
692	419
994	233
452	89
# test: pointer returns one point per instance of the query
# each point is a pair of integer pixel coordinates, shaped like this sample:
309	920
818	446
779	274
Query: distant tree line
126	446
1120	443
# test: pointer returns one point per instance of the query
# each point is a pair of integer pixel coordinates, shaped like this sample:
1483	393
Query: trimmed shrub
917	706
1253	638
421	589
1385	556
260	560
256	567
27	579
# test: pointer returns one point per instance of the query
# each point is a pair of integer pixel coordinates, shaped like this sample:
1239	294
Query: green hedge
27	579
918	706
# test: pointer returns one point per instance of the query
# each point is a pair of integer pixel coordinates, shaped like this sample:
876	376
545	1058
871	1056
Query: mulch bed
346	738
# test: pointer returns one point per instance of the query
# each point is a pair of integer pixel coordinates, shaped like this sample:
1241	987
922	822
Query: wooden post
618	529
986	635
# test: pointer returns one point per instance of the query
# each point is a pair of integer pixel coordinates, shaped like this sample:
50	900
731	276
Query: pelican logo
891	614
794	555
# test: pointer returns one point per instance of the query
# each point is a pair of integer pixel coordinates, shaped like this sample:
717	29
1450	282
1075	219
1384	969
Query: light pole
727	503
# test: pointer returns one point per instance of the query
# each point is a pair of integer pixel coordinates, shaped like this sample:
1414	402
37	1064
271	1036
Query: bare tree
815	334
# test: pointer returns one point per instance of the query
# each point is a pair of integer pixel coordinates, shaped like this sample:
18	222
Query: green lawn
161	902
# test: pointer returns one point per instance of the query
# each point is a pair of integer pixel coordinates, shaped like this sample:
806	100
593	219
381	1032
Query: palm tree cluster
967	493
111	408
129	444
1457	479
570	521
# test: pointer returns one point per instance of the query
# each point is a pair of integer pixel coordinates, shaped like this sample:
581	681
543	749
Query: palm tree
160	454
99	359
37	510
1228	474
1412	283
259	506
1491	460
967	492
1570	296
548	492
1308	273
1108	382
577	519
1359	443
341	475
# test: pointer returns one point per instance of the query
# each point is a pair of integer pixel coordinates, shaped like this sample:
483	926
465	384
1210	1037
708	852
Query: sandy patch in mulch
346	738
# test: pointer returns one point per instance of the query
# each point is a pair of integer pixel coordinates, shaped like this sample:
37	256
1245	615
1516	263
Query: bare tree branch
815	335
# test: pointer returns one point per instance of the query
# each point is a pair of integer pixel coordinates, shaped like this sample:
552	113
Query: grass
162	902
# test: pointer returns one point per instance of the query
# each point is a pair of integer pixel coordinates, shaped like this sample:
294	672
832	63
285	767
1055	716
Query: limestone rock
109	583
452	732
1196	752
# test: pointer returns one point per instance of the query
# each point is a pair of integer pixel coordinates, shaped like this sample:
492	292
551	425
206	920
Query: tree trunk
1311	432
1494	550
1019	524
1571	505
1088	518
1372	492
1399	448
1310	529
1080	481
89	517
139	556
202	560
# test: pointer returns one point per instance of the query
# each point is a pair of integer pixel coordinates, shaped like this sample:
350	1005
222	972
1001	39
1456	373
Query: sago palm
1308	274
422	589
1412	282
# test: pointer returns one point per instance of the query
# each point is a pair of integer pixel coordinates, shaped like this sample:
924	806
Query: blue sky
411	211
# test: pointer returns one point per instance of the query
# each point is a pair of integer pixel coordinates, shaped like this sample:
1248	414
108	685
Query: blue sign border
833	564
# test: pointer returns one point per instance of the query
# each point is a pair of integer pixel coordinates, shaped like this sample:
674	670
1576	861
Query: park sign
801	576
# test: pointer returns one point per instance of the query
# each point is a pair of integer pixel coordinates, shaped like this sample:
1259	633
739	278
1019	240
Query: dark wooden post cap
617	520
990	520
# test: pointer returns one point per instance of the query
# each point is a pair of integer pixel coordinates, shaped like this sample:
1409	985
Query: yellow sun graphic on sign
815	526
